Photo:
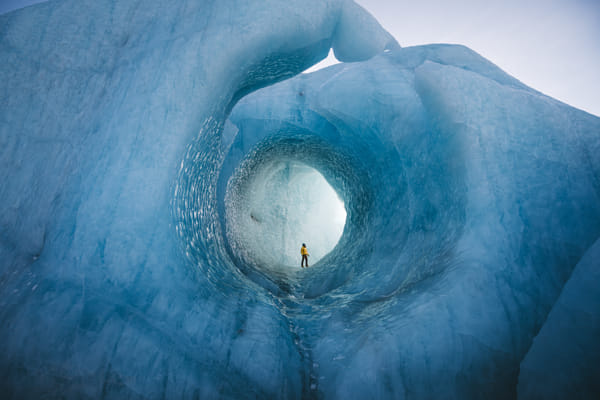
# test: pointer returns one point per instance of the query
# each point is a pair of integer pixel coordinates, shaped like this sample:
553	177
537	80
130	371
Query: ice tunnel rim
310	149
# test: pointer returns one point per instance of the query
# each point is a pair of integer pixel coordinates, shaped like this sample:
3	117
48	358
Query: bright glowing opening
282	205
326	62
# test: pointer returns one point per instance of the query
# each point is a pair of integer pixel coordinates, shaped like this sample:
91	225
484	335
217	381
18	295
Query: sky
551	45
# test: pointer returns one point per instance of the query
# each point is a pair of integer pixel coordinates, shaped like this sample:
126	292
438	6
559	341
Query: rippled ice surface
129	134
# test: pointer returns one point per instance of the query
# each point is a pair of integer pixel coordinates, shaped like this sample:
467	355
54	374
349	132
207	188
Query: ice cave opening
279	205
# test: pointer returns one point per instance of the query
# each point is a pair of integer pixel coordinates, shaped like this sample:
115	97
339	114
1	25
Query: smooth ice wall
564	357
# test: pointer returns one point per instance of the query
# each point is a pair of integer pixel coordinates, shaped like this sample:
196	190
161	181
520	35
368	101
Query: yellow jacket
304	251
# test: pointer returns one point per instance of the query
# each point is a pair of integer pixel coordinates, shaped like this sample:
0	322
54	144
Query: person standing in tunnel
304	252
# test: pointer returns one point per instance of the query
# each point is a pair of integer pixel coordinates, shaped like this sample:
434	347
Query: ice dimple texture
470	200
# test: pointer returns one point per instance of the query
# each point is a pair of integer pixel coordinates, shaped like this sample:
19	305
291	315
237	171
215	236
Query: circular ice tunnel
275	188
238	200
279	189
280	205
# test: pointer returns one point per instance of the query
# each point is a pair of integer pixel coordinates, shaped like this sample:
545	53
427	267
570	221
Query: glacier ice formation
129	132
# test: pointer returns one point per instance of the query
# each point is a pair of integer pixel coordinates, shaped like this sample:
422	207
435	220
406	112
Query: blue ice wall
564	357
470	198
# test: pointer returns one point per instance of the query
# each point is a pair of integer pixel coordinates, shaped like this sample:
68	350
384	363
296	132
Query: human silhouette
304	252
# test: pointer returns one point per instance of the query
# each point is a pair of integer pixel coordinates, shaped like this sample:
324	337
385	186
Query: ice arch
470	200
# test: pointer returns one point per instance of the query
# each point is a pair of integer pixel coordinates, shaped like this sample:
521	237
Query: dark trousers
304	258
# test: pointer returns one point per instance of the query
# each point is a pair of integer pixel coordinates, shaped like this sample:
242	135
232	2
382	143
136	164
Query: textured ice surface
470	199
478	198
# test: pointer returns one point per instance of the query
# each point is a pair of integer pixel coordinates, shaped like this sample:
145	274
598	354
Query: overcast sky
550	45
